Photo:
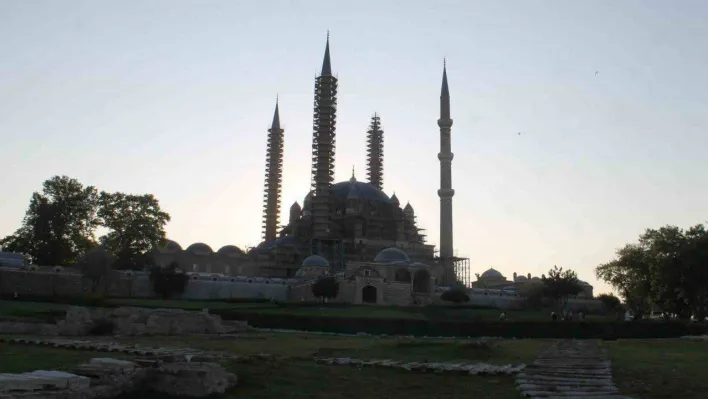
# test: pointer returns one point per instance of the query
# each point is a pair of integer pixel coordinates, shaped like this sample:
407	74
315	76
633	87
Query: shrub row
519	329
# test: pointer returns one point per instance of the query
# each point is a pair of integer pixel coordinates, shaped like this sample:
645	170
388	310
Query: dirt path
569	369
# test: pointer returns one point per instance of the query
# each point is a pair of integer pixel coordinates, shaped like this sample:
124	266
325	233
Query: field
290	375
29	309
660	369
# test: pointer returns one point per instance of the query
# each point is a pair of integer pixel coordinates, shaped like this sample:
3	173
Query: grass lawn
397	348
660	369
28	309
293	379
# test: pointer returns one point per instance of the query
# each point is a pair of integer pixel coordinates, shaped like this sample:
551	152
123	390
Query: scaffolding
374	158
273	179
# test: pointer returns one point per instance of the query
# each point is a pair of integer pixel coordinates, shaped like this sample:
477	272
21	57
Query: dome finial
353	179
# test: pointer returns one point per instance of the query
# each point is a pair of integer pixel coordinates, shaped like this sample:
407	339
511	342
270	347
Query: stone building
392	278
348	222
493	280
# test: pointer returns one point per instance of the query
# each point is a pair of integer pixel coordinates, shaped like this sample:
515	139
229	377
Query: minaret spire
323	147
326	63
274	177
374	155
445	192
276	116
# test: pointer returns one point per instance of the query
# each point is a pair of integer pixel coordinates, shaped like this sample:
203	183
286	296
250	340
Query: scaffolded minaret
445	192
374	161
273	178
323	147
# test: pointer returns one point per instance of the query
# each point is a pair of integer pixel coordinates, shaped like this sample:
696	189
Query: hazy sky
174	98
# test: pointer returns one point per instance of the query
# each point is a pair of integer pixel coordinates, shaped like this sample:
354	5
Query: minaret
445	192
274	178
323	147
374	156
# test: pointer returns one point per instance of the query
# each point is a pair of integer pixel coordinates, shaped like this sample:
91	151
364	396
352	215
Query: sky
174	97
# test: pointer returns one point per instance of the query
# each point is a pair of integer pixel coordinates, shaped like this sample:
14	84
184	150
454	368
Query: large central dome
359	190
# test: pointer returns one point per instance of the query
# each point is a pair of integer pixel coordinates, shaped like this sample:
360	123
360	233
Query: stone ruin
107	378
127	321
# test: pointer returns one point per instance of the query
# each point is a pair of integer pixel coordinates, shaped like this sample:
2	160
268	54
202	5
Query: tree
136	224
325	287
96	265
455	295
630	275
59	224
667	268
168	281
533	293
560	285
611	303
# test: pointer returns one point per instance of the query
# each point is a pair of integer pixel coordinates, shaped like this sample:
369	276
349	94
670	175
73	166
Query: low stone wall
71	284
108	378
128	321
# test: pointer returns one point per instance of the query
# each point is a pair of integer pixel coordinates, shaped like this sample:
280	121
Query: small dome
520	278
394	199
491	273
171	246
418	265
399	263
315	260
408	208
295	207
200	248
288	241
230	250
390	255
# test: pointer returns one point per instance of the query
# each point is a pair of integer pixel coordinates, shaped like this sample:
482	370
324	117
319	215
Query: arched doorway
368	294
421	281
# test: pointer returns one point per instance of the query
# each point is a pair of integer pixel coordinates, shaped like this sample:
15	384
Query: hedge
452	328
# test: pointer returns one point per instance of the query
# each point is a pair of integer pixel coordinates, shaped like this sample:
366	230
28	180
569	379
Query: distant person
554	317
14	295
502	316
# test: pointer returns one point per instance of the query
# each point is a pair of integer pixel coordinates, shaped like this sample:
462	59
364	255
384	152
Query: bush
102	327
455	296
168	281
462	328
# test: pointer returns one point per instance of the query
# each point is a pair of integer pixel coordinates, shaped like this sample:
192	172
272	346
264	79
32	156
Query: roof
315	260
389	255
199	248
491	273
230	250
353	189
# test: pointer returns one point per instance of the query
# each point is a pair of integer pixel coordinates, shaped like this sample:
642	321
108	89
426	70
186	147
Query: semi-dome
315	260
200	248
491	273
230	250
353	189
391	255
171	246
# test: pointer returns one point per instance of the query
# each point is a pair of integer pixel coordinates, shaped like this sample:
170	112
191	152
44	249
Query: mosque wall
41	283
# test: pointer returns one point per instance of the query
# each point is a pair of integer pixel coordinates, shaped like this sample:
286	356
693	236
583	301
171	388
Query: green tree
533	293
630	275
560	285
455	295
611	303
136	226
667	268
96	265
168	281
325	287
59	224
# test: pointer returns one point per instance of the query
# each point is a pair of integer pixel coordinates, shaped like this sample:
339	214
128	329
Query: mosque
352	230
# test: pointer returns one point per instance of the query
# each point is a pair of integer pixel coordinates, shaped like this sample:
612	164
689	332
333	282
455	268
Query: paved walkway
569	369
